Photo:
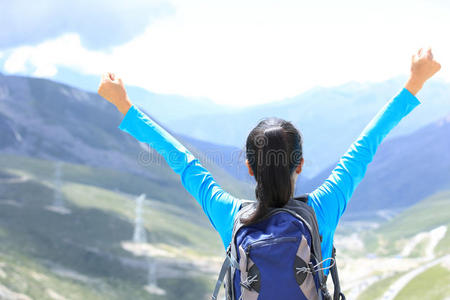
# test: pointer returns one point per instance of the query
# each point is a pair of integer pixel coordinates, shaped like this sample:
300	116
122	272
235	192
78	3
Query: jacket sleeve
218	205
330	199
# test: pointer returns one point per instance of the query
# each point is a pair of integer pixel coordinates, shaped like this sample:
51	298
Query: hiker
277	231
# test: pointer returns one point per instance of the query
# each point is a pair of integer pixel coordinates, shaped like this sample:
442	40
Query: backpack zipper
266	242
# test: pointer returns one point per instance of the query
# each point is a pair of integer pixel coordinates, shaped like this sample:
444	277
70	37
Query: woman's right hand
112	89
423	67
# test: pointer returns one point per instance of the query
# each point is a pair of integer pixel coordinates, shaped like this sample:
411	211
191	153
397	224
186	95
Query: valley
86	212
385	261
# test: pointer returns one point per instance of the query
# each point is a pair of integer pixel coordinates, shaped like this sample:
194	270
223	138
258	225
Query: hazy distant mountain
329	118
45	119
162	106
405	170
84	251
229	158
69	227
50	120
173	107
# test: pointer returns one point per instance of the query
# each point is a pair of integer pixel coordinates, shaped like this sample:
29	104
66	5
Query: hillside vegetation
407	257
72	238
81	254
425	216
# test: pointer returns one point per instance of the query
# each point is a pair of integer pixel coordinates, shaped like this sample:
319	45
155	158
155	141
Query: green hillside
376	290
425	276
428	214
431	284
81	129
80	255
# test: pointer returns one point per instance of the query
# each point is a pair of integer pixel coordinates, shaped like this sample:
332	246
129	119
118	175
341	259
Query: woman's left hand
423	67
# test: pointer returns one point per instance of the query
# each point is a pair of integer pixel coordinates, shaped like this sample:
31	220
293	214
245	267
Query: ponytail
273	152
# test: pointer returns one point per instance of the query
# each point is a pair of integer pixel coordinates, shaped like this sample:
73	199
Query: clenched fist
112	89
423	67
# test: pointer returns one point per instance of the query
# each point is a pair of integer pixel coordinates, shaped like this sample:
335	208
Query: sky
234	52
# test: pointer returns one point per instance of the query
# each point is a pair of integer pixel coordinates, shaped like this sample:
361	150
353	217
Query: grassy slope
428	214
34	240
26	276
88	241
164	223
377	289
431	284
101	177
160	188
391	236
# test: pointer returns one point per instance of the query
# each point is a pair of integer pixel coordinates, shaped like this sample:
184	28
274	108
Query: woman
275	182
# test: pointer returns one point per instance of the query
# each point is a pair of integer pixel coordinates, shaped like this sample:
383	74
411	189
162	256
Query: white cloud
44	58
45	70
16	62
251	52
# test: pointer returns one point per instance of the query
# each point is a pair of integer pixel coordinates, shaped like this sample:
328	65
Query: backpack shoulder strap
308	213
337	294
230	263
300	206
302	198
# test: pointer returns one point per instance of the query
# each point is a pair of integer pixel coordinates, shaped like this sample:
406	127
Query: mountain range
328	118
45	119
73	237
48	120
405	170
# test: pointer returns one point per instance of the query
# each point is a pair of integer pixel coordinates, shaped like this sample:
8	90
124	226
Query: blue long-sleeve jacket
329	200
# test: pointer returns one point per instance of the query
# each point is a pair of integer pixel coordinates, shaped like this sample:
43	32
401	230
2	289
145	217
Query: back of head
273	150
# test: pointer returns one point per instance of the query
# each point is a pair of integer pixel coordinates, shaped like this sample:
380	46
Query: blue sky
234	52
100	24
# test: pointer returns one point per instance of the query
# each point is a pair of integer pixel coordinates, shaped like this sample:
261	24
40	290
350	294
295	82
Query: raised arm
218	205
330	199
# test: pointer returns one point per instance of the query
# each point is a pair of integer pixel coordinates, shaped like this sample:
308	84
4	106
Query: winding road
398	285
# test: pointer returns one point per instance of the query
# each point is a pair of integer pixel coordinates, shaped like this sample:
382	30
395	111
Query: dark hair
273	150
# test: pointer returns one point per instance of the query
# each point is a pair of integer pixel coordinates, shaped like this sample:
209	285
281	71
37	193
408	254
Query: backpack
278	257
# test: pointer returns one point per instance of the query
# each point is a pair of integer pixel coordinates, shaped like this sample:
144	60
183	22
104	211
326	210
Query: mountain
419	239
162	106
329	118
431	212
45	119
73	238
405	169
68	183
405	257
173	107
68	211
229	158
